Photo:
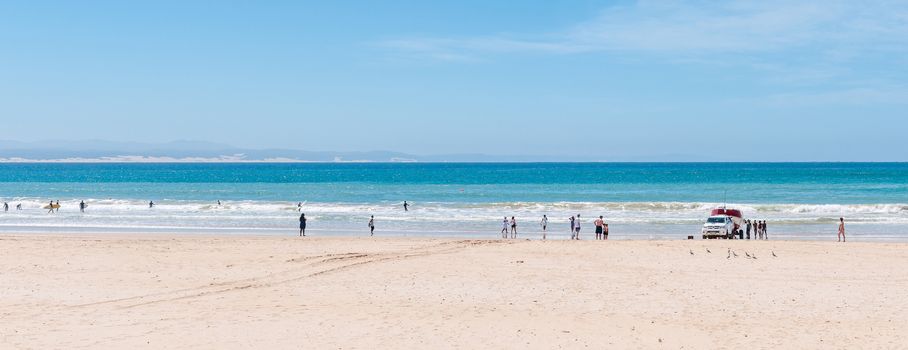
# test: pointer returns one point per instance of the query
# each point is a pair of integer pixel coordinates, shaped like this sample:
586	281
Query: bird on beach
747	254
691	251
734	254
774	254
729	254
754	256
707	250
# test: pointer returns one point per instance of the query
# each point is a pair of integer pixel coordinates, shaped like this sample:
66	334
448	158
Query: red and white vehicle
724	223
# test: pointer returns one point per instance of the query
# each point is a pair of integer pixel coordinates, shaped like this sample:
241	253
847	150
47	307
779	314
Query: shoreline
411	235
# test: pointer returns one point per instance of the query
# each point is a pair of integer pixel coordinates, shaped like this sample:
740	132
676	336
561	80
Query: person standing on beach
748	228
573	223
765	233
598	224
577	226
406	206
372	226
303	225
513	227
544	223
841	229
604	231
504	227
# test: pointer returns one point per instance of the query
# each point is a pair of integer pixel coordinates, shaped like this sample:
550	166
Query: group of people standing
509	227
758	228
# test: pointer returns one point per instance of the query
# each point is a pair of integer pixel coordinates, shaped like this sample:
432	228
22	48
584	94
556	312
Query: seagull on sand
734	254
774	254
691	251
729	254
707	250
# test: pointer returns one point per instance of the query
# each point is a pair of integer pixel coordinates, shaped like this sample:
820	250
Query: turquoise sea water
640	200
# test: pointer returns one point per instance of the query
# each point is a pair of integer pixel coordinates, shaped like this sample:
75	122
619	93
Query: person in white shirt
504	227
577	227
544	223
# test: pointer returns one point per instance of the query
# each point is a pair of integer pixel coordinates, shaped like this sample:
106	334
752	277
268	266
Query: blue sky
762	80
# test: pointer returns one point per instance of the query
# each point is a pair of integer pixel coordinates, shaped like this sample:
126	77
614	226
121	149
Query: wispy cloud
833	51
696	28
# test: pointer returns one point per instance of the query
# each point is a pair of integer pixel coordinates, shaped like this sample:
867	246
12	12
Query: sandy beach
183	291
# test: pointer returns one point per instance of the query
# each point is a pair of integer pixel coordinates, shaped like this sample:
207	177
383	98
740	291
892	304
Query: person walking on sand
513	228
577	226
504	227
598	224
544	223
748	228
841	229
303	225
406	206
372	226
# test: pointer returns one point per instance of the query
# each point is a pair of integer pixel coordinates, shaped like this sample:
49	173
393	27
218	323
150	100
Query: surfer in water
299	206
151	204
303	225
82	206
19	206
5	206
50	207
406	206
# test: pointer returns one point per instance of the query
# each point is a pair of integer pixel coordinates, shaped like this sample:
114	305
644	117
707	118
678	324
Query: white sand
120	292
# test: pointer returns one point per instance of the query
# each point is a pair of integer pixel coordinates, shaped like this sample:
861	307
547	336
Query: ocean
638	200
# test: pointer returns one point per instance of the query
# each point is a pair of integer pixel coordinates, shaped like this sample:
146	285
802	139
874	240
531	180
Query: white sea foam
669	218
